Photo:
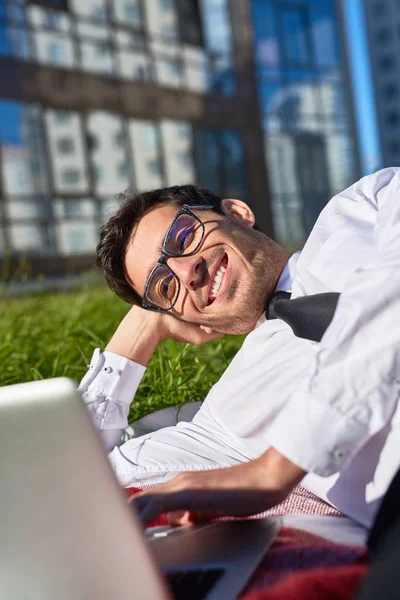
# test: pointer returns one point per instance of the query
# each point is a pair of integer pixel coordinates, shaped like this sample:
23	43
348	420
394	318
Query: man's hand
238	491
141	330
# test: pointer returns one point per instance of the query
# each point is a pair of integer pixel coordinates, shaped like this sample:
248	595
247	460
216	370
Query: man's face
224	285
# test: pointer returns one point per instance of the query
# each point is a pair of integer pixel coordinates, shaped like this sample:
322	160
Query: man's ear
239	210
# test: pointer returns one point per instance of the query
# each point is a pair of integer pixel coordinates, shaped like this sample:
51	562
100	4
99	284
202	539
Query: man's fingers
202	504
151	506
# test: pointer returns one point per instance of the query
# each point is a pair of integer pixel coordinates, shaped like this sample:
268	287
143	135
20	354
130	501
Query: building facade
383	33
307	109
99	96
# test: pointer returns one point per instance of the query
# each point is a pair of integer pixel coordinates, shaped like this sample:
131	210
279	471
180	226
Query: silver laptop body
66	529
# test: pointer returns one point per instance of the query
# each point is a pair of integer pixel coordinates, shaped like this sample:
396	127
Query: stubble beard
249	299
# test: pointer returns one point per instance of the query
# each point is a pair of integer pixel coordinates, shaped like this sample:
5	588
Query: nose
188	269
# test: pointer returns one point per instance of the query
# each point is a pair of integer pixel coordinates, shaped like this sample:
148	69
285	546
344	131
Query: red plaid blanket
301	565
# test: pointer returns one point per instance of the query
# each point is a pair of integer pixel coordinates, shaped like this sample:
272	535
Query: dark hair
116	233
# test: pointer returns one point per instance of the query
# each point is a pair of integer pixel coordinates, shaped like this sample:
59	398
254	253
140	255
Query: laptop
67	531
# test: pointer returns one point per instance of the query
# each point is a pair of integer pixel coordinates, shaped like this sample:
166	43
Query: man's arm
115	374
353	384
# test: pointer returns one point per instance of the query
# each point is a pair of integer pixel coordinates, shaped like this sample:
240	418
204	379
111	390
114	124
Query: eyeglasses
183	238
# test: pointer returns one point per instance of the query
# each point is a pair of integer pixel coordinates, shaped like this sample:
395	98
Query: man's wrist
137	336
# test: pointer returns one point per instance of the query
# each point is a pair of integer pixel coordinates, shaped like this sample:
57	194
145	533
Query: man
285	406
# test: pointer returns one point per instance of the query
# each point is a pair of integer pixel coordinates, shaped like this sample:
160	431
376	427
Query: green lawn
52	335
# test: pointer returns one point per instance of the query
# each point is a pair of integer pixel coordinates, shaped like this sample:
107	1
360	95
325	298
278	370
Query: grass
53	335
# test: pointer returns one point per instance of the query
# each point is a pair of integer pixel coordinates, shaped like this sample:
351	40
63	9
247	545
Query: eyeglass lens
184	237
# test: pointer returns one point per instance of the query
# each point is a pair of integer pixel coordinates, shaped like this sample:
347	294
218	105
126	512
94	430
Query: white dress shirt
330	407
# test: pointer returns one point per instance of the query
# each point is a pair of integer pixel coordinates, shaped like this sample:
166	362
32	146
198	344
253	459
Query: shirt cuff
315	435
112	376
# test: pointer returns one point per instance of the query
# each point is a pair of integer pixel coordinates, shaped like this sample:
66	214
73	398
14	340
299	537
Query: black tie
309	316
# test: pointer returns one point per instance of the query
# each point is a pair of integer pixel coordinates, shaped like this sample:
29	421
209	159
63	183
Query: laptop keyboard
192	585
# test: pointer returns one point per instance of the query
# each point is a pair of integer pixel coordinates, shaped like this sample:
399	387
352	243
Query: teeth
217	281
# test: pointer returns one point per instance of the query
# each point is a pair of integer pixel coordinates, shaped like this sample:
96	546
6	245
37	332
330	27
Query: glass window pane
144	139
92	31
196	69
69	170
217	26
74	209
208	160
341	159
28	207
134	66
90	9
325	37
161	24
294	24
265	34
41	18
24	167
14	41
97	57
233	164
54	49
221	77
127	12
178	151
108	153
33	238
77	237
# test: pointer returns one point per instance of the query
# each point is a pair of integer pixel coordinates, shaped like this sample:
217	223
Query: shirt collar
285	281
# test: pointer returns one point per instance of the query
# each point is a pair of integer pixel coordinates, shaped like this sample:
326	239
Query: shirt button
108	369
338	453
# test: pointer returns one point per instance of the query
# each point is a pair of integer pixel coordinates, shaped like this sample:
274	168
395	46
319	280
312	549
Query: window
392	119
132	13
16	12
383	36
141	73
175	67
76	241
97	173
182	130
55	52
70	176
120	139
65	145
55	4
149	137
166	5
169	33
72	209
154	167
92	141
184	160
391	91
123	171
103	48
99	14
52	19
387	62
137	42
294	22
379	8
61	117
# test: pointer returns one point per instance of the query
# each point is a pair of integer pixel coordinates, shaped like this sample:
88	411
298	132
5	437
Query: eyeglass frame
184	209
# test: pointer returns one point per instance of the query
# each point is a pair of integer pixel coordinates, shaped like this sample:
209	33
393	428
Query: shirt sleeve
352	387
107	390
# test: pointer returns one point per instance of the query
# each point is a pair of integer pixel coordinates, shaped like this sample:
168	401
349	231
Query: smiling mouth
217	280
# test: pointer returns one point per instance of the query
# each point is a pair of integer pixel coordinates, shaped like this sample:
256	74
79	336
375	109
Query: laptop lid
66	530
